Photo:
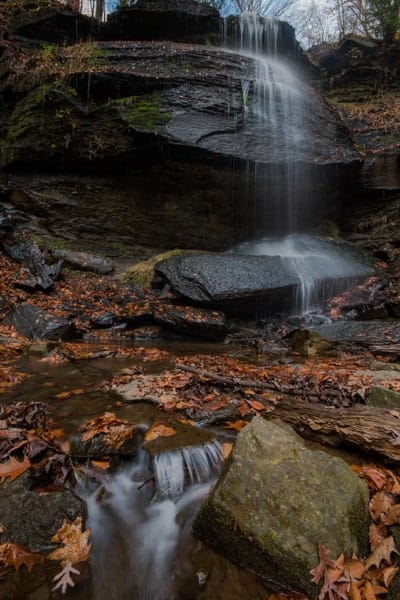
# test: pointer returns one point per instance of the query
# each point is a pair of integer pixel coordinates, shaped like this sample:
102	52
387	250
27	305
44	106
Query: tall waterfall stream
282	105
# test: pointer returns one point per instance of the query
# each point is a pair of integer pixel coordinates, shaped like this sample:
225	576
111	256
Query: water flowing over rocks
172	133
276	500
240	283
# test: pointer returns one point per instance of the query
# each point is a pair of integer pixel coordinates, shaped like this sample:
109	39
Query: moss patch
143	112
142	273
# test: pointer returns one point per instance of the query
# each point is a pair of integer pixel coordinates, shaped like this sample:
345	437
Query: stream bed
141	511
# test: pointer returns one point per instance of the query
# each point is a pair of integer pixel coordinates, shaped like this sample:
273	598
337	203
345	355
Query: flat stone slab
235	281
366	333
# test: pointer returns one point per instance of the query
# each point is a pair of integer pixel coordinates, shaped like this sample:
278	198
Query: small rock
382	398
308	343
84	261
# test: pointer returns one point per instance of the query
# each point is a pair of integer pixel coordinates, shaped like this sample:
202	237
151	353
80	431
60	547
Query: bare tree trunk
99	10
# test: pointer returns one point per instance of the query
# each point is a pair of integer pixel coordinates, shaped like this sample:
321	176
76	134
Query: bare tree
272	8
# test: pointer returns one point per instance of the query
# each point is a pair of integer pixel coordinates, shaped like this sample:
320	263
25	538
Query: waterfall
281	106
141	517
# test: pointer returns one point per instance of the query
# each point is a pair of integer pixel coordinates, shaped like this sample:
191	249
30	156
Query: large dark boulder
176	20
276	500
240	283
40	24
35	323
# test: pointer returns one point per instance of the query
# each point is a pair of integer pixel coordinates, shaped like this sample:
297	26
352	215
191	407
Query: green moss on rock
143	112
142	273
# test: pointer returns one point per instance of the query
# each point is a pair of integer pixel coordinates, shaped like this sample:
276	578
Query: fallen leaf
226	450
64	579
380	505
76	547
15	555
158	430
256	405
101	464
236	425
13	468
320	570
382	553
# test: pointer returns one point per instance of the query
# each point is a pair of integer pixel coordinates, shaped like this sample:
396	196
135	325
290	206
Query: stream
140	513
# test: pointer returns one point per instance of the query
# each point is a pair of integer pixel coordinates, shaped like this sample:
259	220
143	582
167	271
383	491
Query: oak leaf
13	468
15	555
380	505
76	546
382	553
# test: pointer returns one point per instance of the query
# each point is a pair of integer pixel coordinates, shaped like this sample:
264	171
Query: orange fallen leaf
236	425
158	430
101	464
15	555
13	468
76	546
256	405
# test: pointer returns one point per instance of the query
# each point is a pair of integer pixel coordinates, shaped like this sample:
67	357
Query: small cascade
146	510
196	464
323	268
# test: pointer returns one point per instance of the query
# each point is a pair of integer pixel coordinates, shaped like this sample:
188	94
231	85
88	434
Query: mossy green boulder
276	500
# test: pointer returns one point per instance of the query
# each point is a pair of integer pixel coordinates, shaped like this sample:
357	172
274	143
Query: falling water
281	106
145	511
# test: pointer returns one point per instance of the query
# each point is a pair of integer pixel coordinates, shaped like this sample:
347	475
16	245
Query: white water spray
141	516
282	106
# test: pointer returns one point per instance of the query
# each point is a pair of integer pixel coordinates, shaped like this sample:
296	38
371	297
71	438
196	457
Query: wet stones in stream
276	500
35	323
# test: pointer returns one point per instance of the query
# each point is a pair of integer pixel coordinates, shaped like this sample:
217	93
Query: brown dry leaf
256	405
226	450
76	546
115	431
387	575
325	562
376	535
354	568
101	464
13	468
376	478
354	591
393	516
15	555
380	505
63	579
158	430
382	553
236	425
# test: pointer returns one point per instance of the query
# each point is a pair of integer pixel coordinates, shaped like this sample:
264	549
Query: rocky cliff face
160	127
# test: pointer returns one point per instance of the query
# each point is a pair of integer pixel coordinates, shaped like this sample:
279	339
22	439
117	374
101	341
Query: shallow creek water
143	548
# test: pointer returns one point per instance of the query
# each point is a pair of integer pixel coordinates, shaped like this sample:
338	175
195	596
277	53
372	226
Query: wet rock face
18	506
36	323
164	123
164	20
52	25
276	500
